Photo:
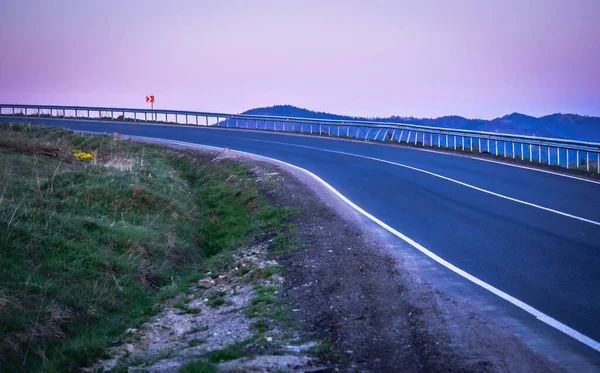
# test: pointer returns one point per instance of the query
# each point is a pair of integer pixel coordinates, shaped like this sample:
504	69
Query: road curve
533	235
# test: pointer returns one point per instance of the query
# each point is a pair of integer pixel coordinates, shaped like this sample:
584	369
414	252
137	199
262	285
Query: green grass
231	352
261	326
286	242
269	310
263	303
195	342
269	271
198	367
88	249
216	299
141	361
197	329
319	349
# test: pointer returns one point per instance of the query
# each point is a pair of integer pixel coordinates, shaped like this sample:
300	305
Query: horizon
425	60
337	114
414	117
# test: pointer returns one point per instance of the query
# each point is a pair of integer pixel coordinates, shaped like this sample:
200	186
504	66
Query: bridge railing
580	155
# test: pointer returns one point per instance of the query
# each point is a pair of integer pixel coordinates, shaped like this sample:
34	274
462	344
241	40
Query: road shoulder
376	312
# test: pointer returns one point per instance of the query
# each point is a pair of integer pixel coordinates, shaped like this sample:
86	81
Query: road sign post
150	99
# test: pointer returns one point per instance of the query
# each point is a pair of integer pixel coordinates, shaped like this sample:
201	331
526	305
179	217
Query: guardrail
580	155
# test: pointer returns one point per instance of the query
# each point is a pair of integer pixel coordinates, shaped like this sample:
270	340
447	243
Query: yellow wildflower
80	154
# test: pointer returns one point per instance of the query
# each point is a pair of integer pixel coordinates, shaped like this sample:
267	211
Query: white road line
522	305
530	168
438	176
466	155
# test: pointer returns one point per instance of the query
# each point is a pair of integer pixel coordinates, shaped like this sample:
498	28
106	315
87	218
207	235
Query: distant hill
567	126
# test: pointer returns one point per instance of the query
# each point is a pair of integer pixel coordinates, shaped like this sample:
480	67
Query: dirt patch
215	319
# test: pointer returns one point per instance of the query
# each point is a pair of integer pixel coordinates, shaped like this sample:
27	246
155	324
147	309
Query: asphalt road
543	258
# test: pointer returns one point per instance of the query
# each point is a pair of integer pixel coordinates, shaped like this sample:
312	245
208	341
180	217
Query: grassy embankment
94	231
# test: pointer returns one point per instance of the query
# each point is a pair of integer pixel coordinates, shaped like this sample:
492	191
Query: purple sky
476	58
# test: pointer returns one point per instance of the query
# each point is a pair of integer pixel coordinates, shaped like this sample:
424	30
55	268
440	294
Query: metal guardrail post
522	152
587	161
567	151
548	155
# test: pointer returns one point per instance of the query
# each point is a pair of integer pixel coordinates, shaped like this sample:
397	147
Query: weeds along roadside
90	244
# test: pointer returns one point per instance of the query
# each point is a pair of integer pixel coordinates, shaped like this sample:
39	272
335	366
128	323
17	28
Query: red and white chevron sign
150	99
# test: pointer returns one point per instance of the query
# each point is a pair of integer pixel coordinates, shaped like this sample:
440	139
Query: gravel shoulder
375	311
378	315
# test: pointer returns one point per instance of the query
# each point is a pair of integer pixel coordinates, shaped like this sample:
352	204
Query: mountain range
565	126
